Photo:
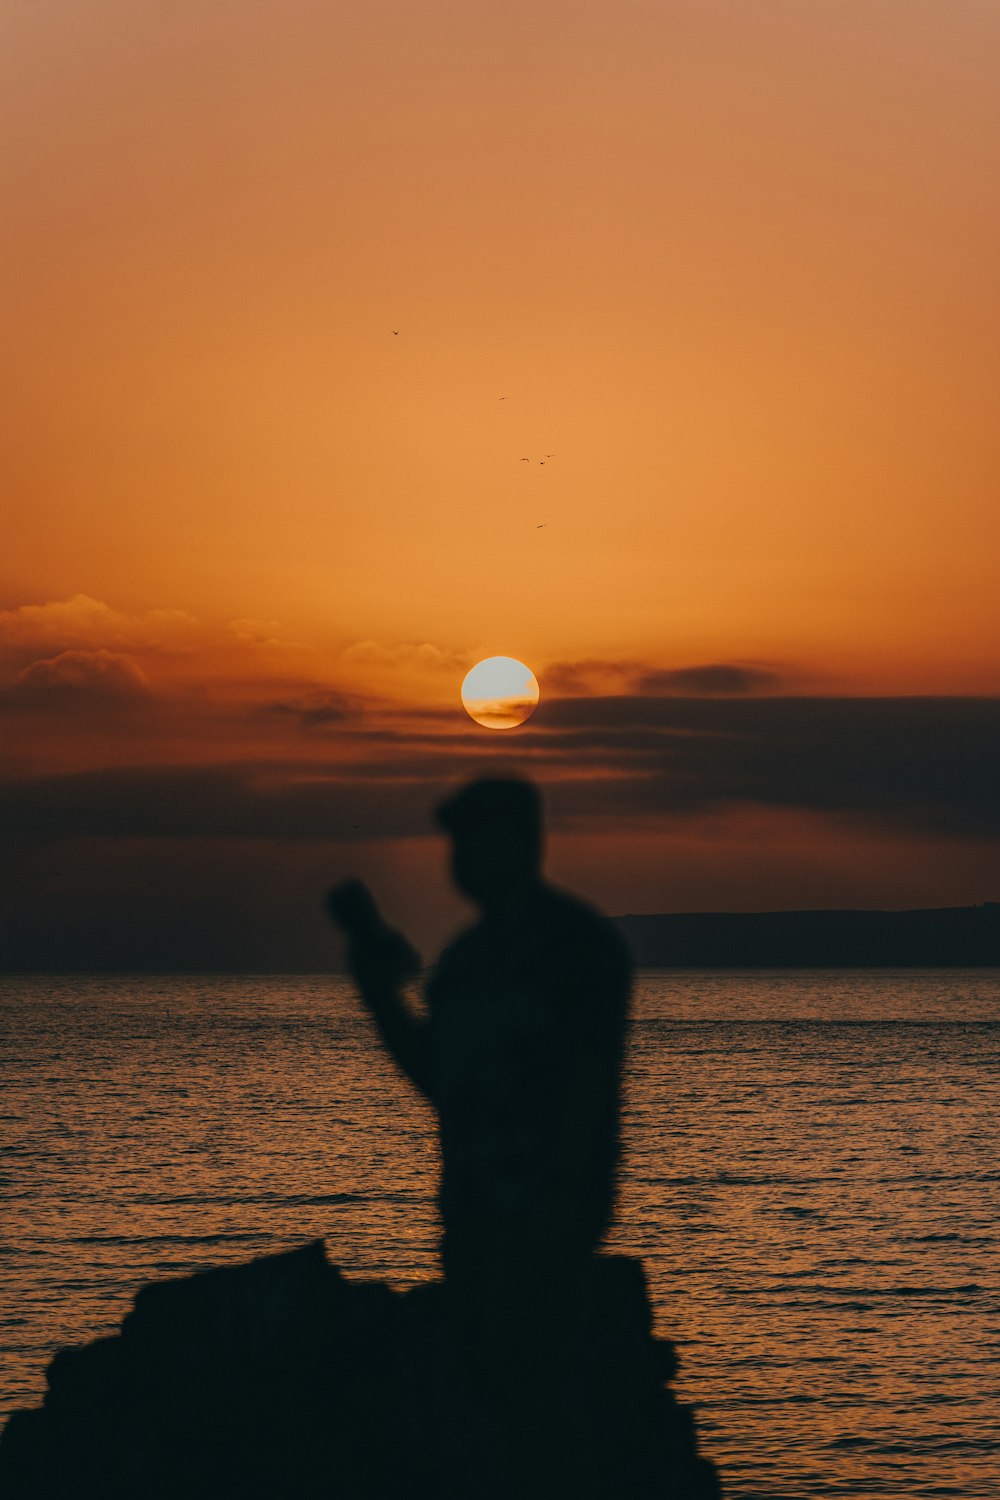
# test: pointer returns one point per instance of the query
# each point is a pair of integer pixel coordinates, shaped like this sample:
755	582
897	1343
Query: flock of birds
541	525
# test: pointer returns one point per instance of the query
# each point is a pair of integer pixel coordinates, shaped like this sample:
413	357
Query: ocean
810	1176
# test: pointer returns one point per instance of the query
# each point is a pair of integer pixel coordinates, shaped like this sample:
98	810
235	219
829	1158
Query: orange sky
732	266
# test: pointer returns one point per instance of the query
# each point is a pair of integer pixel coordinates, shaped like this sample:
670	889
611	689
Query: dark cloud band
923	764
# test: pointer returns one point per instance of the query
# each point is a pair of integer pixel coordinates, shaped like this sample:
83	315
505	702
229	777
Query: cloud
711	679
587	675
405	654
247	631
83	623
918	762
722	678
317	710
104	674
918	765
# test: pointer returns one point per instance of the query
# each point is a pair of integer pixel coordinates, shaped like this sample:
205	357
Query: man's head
496	832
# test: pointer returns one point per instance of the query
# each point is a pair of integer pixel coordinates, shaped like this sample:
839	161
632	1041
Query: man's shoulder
579	925
553	919
462	949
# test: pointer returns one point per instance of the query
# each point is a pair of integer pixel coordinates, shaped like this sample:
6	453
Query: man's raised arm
381	961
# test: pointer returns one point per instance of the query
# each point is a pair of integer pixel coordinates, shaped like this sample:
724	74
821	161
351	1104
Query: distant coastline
959	937
938	937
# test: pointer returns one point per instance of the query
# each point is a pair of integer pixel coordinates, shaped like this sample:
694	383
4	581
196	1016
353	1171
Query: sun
500	693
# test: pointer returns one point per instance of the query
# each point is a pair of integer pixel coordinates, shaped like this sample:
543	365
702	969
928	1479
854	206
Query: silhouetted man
520	1055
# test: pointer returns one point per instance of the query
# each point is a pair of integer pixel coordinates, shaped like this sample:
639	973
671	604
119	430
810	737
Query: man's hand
381	961
380	958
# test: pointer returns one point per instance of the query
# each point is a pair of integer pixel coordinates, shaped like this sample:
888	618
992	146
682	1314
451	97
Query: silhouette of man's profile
520	1055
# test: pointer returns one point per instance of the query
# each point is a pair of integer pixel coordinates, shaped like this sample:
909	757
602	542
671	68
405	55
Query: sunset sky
291	291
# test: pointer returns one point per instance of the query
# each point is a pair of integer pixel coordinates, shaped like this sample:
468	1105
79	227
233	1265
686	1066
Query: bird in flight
396	332
524	460
503	398
540	526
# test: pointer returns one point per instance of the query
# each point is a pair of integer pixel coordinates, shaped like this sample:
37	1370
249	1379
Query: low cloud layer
318	710
720	678
926	764
726	679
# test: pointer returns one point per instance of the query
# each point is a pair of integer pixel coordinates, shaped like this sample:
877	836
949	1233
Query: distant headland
940	937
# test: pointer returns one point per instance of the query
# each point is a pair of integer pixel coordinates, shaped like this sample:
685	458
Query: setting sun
500	693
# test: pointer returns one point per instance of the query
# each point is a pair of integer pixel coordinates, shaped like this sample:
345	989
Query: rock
281	1379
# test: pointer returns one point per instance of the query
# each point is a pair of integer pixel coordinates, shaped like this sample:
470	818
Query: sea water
810	1176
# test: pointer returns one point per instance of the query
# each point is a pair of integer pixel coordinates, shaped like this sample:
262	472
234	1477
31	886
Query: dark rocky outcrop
281	1379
